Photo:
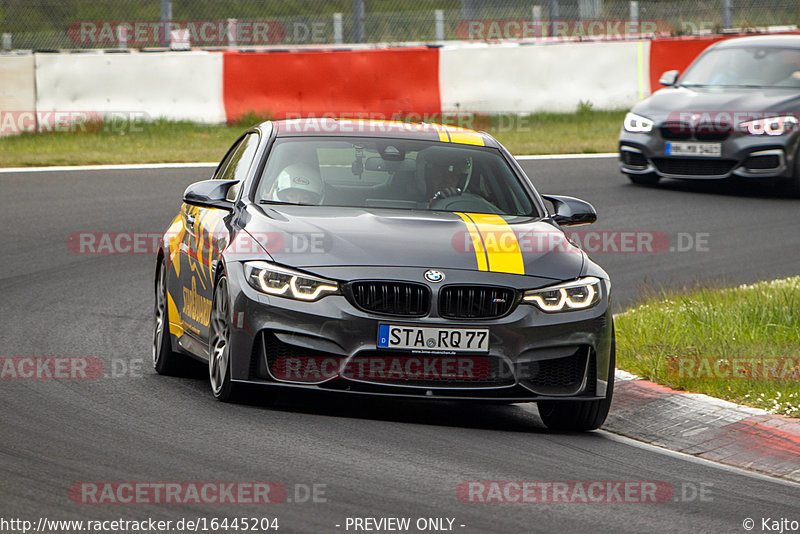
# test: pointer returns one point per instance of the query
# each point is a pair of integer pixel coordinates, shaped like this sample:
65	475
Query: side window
238	163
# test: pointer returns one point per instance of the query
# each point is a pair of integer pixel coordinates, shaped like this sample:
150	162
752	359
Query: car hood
698	99
315	236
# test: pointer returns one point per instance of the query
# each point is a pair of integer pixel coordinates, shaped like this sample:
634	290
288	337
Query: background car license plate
694	149
426	338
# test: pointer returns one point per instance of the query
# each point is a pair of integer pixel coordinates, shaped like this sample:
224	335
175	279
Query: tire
165	360
644	179
792	186
219	361
580	416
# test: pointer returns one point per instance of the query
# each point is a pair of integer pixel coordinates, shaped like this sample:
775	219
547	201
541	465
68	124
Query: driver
298	183
446	175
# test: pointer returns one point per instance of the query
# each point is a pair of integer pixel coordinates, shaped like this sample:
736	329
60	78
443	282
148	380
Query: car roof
769	41
329	127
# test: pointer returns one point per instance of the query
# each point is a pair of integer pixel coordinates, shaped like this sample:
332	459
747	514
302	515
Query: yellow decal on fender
175	237
174	328
499	244
195	306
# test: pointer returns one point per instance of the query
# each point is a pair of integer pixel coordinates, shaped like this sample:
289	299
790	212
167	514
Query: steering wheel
446	193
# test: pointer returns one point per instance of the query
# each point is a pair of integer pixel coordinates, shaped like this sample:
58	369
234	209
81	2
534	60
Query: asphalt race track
371	458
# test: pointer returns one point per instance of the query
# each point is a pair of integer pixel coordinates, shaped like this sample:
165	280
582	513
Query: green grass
730	343
168	141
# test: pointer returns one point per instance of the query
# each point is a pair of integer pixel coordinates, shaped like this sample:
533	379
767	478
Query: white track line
568	156
120	167
207	164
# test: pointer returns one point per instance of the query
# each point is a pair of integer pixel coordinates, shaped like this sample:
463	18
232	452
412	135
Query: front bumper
332	345
744	156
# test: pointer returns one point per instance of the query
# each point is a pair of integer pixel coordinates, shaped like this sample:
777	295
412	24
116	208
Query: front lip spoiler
419	396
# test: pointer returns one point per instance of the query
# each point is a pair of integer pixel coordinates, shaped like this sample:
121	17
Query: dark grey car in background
733	113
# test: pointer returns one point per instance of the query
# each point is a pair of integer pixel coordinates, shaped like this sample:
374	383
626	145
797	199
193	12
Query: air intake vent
694	166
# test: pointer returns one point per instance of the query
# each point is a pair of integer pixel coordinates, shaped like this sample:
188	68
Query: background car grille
392	298
679	132
473	302
694	166
702	132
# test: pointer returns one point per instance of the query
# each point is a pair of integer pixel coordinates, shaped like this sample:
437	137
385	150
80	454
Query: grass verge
586	131
741	344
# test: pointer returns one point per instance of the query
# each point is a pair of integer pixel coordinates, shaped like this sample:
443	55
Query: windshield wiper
282	203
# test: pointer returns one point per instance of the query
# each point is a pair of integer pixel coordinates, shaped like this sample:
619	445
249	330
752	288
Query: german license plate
433	339
694	149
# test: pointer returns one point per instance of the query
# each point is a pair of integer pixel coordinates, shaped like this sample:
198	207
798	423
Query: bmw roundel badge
434	276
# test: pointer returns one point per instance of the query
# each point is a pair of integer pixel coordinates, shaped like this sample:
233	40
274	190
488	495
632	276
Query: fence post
439	14
166	18
6	41
358	21
727	14
552	9
232	33
634	16
337	28
536	11
122	37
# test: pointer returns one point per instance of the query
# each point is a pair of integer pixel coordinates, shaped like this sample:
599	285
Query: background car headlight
575	295
283	282
637	124
770	125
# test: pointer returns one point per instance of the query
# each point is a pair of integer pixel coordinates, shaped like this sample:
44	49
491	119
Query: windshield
391	173
746	67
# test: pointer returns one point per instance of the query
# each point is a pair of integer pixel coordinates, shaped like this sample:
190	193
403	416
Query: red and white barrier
17	90
385	82
517	78
405	82
173	85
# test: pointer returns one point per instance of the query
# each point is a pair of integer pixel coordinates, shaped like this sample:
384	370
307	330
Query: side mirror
210	194
571	211
669	77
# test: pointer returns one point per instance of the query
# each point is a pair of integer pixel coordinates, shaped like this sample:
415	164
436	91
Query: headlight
576	295
770	125
637	124
283	282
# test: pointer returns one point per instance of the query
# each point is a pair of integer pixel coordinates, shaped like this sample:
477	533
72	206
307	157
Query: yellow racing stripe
443	136
477	243
500	243
465	137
